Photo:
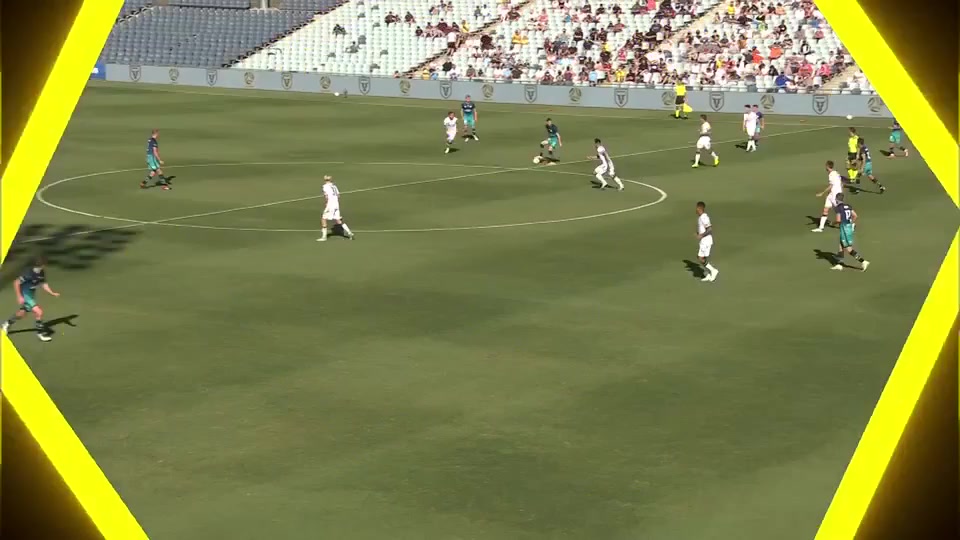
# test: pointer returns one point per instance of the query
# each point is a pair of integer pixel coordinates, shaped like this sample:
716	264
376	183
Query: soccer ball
536	160
849	117
336	94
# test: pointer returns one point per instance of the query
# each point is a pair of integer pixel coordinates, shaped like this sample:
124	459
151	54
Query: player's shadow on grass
815	220
155	185
830	257
695	269
51	325
66	247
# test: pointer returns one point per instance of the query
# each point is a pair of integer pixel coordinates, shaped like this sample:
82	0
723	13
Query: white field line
491	170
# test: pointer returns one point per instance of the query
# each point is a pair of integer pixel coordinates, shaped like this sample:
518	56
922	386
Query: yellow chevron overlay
933	325
24	170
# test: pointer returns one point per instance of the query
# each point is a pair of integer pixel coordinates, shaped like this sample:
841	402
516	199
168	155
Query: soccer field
504	352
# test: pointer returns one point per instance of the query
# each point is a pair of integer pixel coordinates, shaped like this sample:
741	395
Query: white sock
618	181
696	158
603	182
751	145
714	154
346	229
323	233
823	221
710	268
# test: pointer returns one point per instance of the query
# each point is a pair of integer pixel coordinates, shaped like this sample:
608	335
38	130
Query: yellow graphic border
939	311
26	167
869	462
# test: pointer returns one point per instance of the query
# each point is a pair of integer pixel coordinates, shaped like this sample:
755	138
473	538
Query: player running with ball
551	143
605	169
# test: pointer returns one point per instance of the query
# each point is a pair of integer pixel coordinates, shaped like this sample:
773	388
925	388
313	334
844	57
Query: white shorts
604	170
706	244
751	129
703	143
451	135
830	201
331	213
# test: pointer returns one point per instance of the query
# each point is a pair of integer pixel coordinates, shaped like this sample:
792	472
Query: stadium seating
742	40
355	38
518	47
131	7
198	36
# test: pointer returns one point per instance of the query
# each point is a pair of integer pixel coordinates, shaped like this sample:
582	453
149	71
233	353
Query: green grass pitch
536	361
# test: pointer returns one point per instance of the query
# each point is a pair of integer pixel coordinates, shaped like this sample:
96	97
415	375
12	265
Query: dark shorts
680	100
851	157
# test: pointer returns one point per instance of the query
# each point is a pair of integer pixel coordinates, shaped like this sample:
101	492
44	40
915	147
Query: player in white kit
705	237
605	169
450	124
703	143
331	212
834	188
750	127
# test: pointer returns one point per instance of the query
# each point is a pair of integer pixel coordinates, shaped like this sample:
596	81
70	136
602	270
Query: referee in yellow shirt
853	151
681	91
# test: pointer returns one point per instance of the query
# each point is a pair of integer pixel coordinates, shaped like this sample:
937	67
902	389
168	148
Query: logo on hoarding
875	104
620	96
821	102
99	70
212	75
716	101
325	83
446	89
174	74
286	80
768	102
135	72
575	94
668	99
249	78
404	87
487	91
364	85
530	93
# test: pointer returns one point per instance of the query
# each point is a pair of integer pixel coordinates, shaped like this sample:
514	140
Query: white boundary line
491	169
310	97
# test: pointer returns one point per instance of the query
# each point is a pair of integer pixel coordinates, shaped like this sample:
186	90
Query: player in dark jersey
26	289
551	143
154	172
896	140
865	160
468	112
847	218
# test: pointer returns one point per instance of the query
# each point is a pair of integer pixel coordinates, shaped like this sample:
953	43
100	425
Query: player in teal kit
551	143
26	288
866	164
154	172
468	112
896	140
847	218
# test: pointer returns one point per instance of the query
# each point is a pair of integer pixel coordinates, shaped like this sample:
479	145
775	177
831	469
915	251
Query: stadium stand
132	7
571	42
738	45
201	33
368	37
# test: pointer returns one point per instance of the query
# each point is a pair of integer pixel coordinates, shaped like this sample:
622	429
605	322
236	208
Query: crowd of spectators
748	43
